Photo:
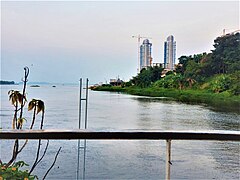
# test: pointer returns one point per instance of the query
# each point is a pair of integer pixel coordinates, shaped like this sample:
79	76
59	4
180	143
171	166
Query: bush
171	81
220	83
14	173
235	85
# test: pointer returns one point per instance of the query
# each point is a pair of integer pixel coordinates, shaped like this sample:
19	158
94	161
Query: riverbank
221	101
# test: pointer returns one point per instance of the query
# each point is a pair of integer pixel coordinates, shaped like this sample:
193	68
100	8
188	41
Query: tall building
169	53
145	54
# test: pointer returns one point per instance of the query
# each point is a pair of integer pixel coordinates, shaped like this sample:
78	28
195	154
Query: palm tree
37	106
191	82
41	107
16	98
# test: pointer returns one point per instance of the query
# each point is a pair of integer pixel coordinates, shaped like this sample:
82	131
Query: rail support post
168	159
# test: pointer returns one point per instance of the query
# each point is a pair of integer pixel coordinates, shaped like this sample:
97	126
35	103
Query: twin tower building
169	54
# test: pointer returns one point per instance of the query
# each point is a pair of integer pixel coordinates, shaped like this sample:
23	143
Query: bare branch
52	163
37	156
45	150
37	160
14	154
26	141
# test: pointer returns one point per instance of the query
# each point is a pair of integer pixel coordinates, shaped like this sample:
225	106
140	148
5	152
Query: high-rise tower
145	54
169	53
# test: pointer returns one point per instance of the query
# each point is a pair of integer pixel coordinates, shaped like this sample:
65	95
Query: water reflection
222	121
130	159
226	157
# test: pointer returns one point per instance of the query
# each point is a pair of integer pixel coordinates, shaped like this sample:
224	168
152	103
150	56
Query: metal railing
124	135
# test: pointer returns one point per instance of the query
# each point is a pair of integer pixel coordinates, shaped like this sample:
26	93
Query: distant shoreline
7	83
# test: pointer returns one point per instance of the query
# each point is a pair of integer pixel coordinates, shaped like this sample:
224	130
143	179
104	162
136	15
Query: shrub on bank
13	172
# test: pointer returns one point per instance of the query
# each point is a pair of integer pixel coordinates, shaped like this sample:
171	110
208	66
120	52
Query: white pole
168	159
79	126
139	37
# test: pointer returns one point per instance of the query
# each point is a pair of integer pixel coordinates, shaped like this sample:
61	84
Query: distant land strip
6	82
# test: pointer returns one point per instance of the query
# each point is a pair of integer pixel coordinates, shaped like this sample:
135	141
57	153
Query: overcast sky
63	41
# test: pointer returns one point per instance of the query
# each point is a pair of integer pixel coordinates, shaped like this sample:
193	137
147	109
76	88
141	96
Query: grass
221	101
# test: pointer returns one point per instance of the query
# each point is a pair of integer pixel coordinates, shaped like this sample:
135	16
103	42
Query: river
121	159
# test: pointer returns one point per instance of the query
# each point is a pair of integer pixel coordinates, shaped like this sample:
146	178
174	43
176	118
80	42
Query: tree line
218	71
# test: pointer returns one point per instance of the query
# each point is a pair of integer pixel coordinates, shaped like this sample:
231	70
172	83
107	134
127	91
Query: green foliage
235	83
193	70
106	85
220	83
184	61
127	84
212	78
109	88
202	69
14	173
147	76
176	81
169	73
226	56
221	101
169	81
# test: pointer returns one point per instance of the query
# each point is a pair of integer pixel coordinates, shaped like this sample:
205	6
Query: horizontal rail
121	135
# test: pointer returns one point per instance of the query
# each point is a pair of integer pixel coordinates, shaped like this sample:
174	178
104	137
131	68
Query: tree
185	60
225	56
193	70
156	73
16	99
37	106
147	76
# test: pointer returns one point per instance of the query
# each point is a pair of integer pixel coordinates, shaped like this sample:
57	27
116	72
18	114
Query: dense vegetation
208	77
218	71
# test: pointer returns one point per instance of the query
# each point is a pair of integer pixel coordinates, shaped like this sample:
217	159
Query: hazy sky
62	41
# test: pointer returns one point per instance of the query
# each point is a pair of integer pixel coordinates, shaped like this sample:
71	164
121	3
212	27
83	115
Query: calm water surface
127	159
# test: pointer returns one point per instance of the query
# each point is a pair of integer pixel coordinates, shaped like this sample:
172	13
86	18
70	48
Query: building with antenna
169	53
145	54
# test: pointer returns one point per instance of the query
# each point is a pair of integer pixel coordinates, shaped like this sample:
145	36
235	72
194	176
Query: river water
121	159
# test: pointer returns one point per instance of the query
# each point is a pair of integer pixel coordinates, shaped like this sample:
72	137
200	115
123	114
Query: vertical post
79	124
80	103
139	53
78	162
84	159
84	126
168	159
86	107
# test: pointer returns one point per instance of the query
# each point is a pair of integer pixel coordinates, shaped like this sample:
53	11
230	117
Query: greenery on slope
212	78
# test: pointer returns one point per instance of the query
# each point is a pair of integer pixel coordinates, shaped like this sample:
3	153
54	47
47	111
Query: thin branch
26	69
41	126
45	150
34	117
15	153
37	156
26	141
52	163
37	160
